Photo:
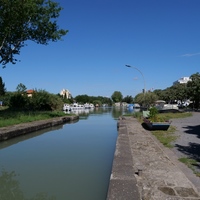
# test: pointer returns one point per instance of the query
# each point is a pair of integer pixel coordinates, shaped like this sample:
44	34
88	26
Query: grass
168	116
191	163
8	118
167	137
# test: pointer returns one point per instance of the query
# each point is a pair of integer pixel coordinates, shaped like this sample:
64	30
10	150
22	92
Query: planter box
157	125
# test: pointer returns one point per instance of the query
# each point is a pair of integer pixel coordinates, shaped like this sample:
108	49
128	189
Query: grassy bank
8	118
167	137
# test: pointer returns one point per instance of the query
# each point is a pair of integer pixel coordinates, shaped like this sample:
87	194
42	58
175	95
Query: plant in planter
154	121
153	115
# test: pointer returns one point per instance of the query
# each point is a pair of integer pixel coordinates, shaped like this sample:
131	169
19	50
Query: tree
117	96
194	89
21	88
2	87
23	20
146	99
128	99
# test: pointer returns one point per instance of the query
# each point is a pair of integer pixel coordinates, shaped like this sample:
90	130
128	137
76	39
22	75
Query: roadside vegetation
191	163
8	118
165	137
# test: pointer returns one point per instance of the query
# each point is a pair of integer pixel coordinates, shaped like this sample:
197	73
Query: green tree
117	96
2	87
23	20
146	99
21	88
82	99
128	99
180	91
194	89
19	102
45	101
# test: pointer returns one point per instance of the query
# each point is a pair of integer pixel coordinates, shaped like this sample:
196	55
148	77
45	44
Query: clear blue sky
159	37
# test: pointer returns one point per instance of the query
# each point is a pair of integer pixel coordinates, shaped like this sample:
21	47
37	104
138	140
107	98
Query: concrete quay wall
143	169
25	128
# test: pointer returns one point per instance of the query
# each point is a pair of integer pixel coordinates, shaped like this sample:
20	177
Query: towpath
144	169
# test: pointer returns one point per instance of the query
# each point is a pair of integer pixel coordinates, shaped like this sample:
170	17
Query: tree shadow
192	151
195	130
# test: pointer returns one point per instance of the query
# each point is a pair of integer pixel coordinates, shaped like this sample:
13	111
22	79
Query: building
65	94
29	93
182	80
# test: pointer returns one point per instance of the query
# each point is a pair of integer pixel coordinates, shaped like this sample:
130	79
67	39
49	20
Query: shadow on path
195	130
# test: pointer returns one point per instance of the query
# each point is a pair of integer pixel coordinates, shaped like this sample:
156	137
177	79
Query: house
30	93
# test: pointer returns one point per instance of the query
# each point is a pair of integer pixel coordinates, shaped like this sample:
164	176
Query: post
141	74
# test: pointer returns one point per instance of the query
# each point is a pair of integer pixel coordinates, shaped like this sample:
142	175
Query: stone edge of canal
25	128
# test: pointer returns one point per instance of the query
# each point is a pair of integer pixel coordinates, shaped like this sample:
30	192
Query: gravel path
188	141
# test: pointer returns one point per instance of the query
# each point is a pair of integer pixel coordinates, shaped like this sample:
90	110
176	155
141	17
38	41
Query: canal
71	161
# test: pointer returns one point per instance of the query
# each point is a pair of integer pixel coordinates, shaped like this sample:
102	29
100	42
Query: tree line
42	100
178	92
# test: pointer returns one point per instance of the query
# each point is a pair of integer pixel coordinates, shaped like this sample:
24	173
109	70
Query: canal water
68	162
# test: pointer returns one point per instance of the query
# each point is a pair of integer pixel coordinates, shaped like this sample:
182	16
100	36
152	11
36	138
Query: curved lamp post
140	73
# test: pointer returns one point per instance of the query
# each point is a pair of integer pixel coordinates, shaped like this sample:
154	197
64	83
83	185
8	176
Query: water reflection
10	188
70	161
21	138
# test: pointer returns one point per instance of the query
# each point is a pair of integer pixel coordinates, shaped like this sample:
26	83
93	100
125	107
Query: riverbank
145	169
26	128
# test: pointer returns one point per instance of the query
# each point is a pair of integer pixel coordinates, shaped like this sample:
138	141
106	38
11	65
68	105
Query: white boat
76	106
163	107
66	107
88	105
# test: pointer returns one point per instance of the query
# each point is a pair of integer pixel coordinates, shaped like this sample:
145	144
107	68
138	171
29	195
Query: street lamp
140	73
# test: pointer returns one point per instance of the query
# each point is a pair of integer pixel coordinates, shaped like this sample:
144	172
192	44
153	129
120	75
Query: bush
40	101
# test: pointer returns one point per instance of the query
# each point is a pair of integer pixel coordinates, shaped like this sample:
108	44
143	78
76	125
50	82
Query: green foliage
182	92
2	88
40	101
191	163
19	102
10	117
82	99
92	99
21	88
128	99
146	99
166	137
27	20
117	97
153	114
194	89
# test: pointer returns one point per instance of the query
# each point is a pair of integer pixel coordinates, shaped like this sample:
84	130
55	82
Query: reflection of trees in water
10	188
117	111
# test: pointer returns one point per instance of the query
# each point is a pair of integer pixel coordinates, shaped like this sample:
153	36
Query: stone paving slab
157	177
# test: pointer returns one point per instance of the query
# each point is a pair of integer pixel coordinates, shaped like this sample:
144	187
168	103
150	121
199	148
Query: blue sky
161	38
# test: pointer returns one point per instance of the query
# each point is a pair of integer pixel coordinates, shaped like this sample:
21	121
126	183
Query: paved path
155	168
187	143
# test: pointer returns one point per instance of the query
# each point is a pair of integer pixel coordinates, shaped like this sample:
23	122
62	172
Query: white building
65	94
182	80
